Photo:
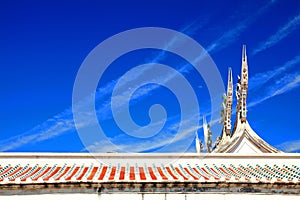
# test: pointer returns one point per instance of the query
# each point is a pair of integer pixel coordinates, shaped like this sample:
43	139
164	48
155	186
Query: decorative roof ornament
199	145
207	135
238	100
243	138
223	111
244	86
228	107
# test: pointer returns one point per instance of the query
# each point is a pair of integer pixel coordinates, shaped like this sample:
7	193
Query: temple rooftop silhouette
241	138
240	165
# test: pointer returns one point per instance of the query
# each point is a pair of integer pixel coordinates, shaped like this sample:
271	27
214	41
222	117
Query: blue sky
43	44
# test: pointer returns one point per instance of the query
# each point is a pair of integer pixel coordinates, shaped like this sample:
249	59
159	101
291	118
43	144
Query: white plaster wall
151	197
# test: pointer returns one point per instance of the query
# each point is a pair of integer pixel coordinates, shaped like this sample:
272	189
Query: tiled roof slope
61	168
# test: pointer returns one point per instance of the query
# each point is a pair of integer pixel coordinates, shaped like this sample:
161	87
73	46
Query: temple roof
28	168
244	140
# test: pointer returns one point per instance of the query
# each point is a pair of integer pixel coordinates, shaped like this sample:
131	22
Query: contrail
63	122
290	146
230	36
285	82
282	33
262	78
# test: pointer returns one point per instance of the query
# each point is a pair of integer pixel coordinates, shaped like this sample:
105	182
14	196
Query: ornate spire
207	135
244	86
242	139
227	121
199	145
244	55
242	92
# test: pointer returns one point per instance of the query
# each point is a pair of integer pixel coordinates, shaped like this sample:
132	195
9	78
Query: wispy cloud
169	136
274	82
290	146
260	79
285	84
289	82
282	33
230	36
63	122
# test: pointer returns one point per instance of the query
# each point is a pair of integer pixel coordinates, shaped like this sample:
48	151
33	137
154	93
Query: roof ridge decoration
205	172
242	138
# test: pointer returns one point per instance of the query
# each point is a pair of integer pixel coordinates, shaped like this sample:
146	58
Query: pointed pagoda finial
229	76
199	145
241	92
244	86
207	135
205	130
244	54
229	96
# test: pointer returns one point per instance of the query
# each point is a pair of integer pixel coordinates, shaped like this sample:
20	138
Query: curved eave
242	135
